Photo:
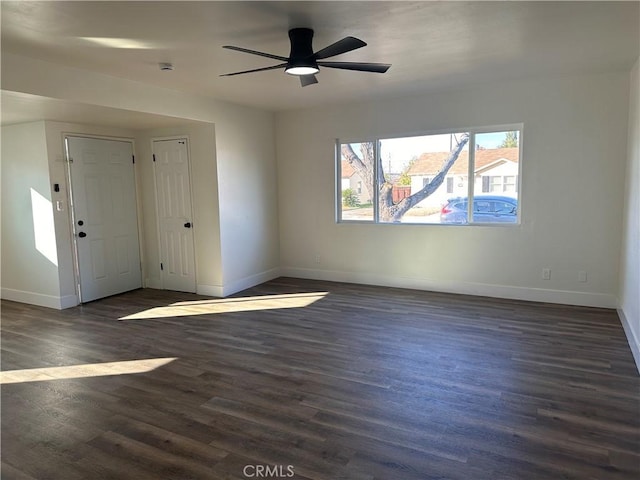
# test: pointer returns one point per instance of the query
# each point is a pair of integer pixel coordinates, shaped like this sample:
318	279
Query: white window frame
472	131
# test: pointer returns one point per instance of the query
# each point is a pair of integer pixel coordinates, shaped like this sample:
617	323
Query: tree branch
352	157
412	200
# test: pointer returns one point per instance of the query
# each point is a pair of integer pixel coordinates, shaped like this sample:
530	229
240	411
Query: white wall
206	218
574	150
248	188
630	256
245	154
29	256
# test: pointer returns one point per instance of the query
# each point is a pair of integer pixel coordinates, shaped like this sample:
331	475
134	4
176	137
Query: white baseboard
465	288
69	301
634	341
248	282
153	283
227	289
42	300
210	290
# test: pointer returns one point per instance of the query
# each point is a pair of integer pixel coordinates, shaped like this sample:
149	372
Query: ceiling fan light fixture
302	70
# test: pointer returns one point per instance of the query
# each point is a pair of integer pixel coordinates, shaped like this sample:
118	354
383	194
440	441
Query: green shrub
350	198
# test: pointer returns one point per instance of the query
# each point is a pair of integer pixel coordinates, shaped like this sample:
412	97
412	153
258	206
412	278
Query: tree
366	165
404	179
510	140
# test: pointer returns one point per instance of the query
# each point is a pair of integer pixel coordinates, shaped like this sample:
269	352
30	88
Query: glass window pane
495	184
356	165
509	183
425	169
496	170
425	179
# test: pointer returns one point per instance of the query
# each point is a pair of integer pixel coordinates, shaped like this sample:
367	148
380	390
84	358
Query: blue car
486	209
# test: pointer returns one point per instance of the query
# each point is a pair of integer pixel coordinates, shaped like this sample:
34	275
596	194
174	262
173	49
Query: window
495	184
500	184
430	179
510	183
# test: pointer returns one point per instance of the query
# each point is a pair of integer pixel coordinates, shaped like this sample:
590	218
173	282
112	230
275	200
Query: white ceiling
431	45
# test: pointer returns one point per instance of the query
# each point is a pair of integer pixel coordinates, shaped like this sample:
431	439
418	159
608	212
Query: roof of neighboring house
430	163
346	170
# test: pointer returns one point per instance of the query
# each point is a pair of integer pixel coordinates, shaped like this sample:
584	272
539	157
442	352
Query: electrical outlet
317	259
582	276
546	273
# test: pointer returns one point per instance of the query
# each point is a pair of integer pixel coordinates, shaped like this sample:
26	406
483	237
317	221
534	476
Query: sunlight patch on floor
86	370
229	305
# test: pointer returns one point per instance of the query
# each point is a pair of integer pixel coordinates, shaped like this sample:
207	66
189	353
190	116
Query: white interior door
105	216
175	224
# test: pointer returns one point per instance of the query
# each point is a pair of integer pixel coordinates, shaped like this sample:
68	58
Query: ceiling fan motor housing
301	49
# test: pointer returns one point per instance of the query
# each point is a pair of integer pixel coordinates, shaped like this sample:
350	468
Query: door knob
187	225
82	234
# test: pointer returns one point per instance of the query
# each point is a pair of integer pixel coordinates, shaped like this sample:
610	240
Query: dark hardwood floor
356	383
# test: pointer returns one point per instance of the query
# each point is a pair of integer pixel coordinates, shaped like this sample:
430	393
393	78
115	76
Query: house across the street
351	179
495	171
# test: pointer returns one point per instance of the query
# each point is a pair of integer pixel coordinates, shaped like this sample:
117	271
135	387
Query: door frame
73	230
194	224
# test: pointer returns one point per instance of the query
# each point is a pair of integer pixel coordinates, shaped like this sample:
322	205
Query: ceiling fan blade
308	80
282	65
347	44
254	52
358	66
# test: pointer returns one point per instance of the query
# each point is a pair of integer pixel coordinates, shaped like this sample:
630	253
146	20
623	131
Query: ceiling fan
305	64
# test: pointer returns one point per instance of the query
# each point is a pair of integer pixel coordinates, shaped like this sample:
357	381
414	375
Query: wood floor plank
339	381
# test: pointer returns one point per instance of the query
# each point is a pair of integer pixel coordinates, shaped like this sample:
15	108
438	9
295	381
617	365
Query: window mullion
338	182
471	179
376	182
